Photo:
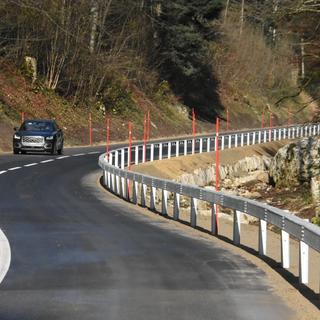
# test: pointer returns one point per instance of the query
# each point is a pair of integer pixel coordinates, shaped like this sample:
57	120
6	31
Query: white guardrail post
176	206
120	181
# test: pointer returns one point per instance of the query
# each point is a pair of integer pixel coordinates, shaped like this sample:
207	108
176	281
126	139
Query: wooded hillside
247	56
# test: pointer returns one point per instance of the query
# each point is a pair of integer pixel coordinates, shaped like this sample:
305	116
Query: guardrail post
152	152
185	148
122	158
314	130
236	140
208	144
254	138
265	136
242	138
116	158
153	198
293	132
285	133
169	150
215	144
229	141
143	194
214	228
160	151
176	206
275	135
262	237
303	263
201	145
113	183
144	152
135	192
259	137
118	185
222	142
122	188
177	148
248	139
236	227
279	135
105	178
136	155
270	133
289	133
301	134
194	212
285	249
126	192
164	202
193	142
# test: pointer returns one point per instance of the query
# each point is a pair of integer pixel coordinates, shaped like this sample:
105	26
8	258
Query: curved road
80	253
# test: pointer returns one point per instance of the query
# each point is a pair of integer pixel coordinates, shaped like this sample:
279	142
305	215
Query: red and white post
90	128
107	138
194	130
130	145
228	120
215	222
148	125
145	133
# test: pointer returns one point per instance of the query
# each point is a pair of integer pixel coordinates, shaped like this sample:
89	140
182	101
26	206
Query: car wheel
15	151
60	151
54	149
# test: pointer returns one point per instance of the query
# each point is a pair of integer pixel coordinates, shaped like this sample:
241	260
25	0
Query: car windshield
37	126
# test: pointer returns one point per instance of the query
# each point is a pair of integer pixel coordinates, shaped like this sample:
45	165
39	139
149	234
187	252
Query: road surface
81	253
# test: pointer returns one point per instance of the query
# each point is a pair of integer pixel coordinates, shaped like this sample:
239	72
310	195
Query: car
38	136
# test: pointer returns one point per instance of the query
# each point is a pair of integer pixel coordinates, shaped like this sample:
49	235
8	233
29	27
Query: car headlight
50	138
17	137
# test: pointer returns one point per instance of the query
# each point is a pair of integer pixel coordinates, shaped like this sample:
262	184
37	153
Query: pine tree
183	33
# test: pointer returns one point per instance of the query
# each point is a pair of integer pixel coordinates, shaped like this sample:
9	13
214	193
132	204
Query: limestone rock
296	163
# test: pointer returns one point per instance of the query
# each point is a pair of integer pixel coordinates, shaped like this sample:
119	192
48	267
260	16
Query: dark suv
38	136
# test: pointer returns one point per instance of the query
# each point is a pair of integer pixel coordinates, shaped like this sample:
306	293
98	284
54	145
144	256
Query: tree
183	31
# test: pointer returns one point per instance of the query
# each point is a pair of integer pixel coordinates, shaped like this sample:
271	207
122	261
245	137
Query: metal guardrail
117	179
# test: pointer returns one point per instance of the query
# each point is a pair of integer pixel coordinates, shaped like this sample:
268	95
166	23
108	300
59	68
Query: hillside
122	59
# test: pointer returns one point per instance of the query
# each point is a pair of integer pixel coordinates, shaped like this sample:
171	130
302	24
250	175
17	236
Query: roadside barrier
134	187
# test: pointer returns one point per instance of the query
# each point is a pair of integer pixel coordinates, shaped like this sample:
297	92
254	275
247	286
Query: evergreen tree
183	34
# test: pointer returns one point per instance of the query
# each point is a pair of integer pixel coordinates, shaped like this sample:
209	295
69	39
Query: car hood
36	133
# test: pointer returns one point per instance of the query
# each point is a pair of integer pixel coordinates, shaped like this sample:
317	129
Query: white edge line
15	168
5	255
94	152
63	157
78	155
30	164
2	172
46	161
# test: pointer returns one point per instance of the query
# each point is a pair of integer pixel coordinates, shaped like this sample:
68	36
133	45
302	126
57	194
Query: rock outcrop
296	163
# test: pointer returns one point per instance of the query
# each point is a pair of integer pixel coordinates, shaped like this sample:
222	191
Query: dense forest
204	54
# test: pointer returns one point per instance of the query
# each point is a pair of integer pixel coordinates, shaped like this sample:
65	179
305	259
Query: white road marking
5	255
93	152
46	161
4	171
78	155
15	168
63	157
30	164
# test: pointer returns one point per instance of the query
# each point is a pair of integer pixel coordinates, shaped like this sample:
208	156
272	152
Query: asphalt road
80	253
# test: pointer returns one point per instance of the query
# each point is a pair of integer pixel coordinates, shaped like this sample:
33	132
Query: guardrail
134	187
